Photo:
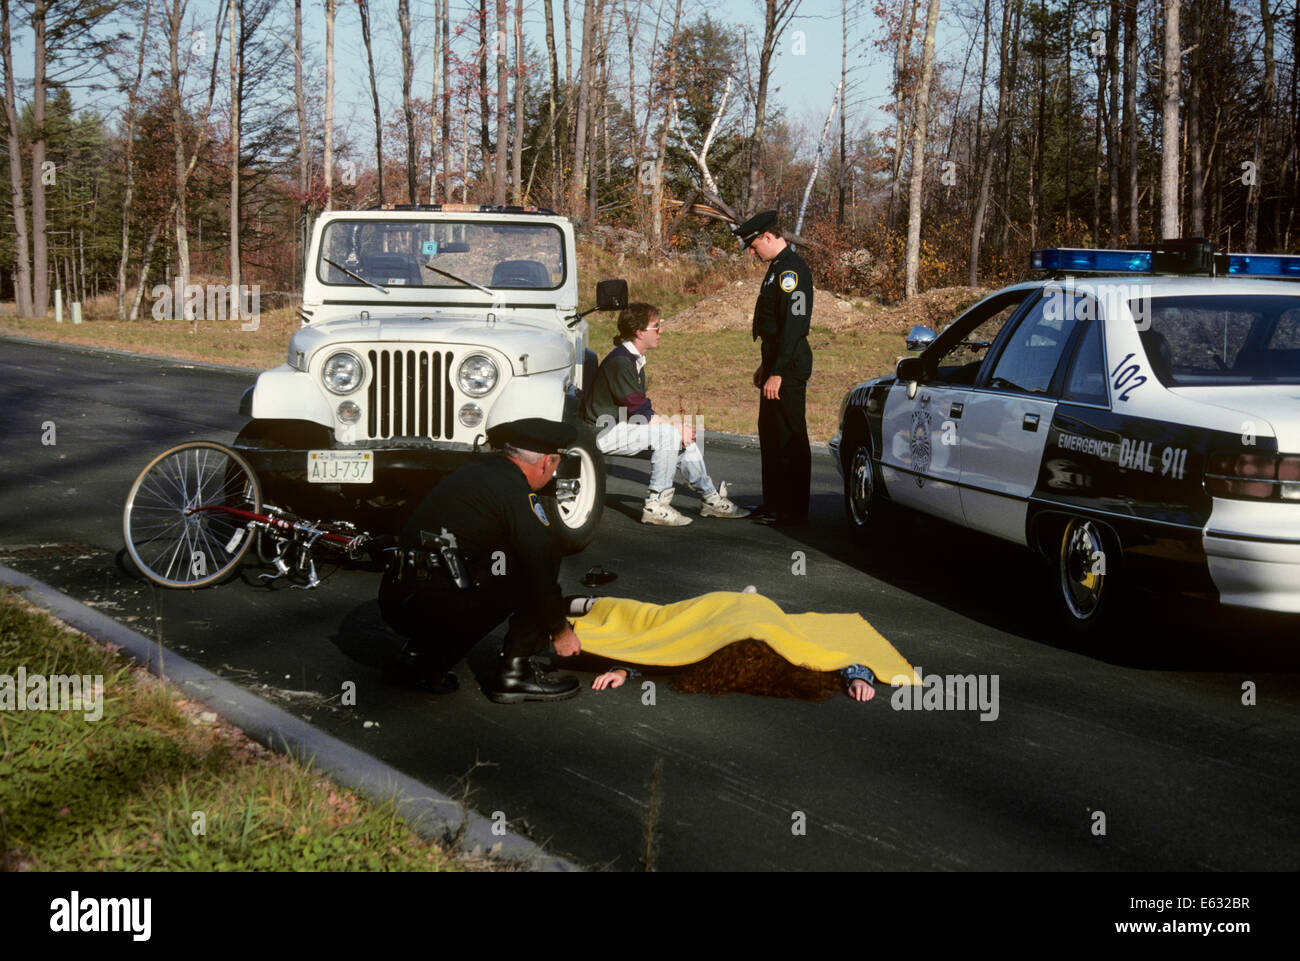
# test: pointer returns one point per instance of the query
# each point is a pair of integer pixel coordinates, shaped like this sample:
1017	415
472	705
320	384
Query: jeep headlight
477	375
342	372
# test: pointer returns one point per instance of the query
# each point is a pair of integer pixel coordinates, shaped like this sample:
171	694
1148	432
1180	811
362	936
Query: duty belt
437	552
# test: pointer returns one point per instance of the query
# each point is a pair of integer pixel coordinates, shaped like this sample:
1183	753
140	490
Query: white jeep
421	328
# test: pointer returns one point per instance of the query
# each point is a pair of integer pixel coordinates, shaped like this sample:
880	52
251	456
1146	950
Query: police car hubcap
1082	568
863	482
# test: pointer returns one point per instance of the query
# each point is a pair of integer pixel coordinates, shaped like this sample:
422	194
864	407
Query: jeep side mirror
920	337
611	295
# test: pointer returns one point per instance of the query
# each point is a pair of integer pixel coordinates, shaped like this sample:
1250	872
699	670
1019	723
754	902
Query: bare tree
657	200
40	243
577	186
1130	113
503	114
1169	146
22	263
907	20
918	150
517	146
363	8
331	9
1262	127
408	69
994	145
235	67
446	96
554	96
777	14
304	144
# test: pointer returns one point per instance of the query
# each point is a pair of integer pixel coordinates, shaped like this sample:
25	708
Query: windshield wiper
368	283
467	283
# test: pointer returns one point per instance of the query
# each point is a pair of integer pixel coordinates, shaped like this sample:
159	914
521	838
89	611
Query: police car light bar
1193	256
1084	260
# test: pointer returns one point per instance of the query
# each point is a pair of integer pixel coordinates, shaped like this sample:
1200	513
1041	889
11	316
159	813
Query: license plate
340	467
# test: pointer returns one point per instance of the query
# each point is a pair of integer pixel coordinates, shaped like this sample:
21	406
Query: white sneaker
717	504
658	510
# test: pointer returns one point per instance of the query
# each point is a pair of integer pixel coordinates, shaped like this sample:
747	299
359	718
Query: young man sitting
619	411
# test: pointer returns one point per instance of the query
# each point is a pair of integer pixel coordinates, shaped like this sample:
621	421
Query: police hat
533	433
754	226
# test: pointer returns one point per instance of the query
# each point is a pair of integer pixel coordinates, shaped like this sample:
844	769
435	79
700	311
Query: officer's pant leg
796	452
441	622
769	416
524	638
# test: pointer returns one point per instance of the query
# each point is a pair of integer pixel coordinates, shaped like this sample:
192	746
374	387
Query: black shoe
781	520
407	669
520	680
762	514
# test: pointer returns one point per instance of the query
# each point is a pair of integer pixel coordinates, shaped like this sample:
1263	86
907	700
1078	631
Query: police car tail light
1253	476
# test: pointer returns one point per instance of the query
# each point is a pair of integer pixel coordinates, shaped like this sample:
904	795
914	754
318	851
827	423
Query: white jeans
664	441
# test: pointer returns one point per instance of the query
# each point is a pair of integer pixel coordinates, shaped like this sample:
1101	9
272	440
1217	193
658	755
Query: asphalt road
1148	737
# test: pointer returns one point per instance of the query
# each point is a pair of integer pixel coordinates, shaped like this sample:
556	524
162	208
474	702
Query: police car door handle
955	410
1030	422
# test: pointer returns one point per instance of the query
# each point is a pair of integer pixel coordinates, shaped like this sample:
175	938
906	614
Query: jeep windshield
1219	340
493	254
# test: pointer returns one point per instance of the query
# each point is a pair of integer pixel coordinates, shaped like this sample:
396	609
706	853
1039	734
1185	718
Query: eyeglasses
655	327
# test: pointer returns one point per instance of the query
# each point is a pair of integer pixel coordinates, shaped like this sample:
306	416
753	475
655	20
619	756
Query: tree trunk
234	162
990	154
484	109
331	7
554	96
22	263
503	113
1196	163
1262	125
844	79
1169	146
577	186
304	142
517	144
1112	117
657	201
918	151
446	98
176	15
363	8
777	15
40	242
905	24
1130	114
408	112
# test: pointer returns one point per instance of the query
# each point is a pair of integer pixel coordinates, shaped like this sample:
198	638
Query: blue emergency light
1194	256
1084	260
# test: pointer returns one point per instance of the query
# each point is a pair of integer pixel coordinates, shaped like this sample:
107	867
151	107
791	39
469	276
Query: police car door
921	456
1007	420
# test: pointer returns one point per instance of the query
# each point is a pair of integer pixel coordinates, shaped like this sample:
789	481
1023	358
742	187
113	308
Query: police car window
1229	339
1087	381
1034	350
961	362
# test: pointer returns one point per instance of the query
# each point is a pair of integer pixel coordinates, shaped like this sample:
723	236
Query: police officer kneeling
477	550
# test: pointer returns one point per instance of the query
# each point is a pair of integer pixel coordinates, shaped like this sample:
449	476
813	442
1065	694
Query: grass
122	793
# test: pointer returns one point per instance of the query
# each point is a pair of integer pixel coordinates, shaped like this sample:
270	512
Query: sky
804	75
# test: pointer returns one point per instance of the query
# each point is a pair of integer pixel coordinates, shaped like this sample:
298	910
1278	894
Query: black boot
519	680
410	669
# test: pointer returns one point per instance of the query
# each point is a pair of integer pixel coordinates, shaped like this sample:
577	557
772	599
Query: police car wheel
1087	588
579	499
869	514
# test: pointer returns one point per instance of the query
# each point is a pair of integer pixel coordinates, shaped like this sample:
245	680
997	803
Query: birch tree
918	150
1169	146
22	262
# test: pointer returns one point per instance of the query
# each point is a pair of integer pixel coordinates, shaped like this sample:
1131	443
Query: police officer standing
476	551
781	318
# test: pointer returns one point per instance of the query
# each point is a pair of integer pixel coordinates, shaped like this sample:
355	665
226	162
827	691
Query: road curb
118	352
431	813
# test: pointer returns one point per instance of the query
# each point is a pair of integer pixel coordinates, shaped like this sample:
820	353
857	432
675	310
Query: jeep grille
410	394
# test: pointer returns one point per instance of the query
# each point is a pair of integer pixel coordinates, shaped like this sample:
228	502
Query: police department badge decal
920	440
538	509
789	280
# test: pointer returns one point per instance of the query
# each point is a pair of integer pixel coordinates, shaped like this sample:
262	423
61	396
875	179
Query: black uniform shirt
490	508
781	317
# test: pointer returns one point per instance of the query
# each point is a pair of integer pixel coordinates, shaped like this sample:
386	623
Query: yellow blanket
691	630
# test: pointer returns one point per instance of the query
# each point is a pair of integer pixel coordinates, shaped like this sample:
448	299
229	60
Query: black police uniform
503	536
781	318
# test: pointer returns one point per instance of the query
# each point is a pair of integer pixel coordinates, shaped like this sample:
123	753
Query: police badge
920	440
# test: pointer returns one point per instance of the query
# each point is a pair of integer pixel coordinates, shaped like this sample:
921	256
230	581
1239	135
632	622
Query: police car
1135	418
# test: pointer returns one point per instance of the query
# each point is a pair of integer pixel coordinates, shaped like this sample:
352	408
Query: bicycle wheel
175	530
